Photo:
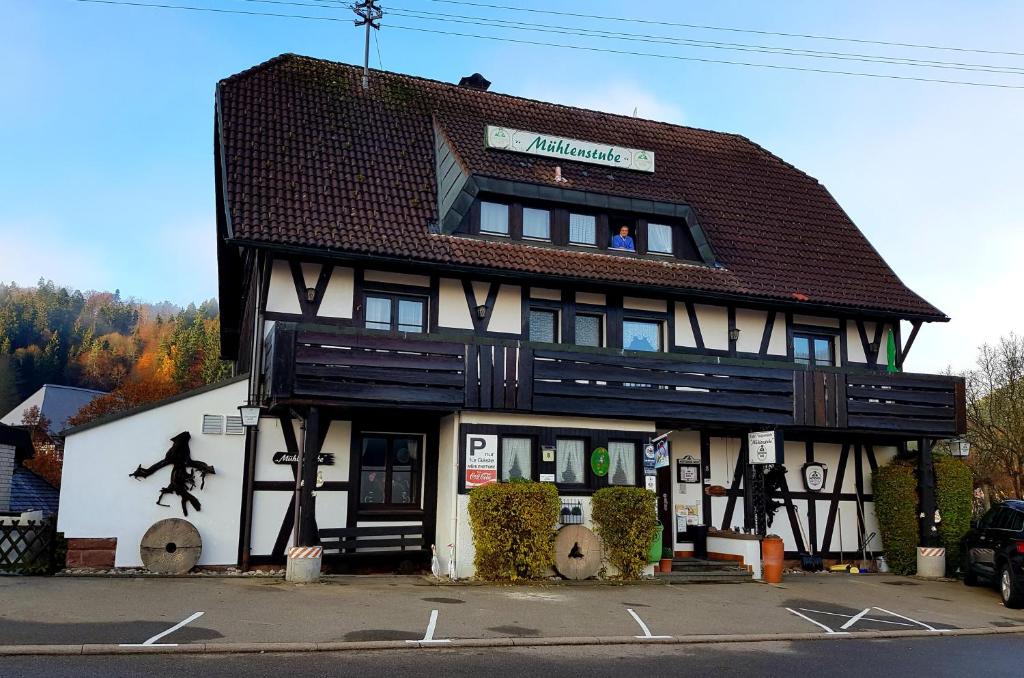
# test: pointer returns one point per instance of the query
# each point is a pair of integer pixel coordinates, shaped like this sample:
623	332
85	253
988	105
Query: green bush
954	487
514	529
895	491
626	520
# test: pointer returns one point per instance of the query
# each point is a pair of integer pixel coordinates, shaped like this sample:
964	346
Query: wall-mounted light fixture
873	347
310	294
734	334
481	311
250	414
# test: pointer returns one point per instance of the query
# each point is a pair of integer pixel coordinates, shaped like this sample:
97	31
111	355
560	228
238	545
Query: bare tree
995	416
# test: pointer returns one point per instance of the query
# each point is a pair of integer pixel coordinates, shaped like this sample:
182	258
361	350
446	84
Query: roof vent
475	81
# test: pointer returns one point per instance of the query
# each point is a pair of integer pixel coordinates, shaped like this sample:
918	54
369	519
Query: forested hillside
56	335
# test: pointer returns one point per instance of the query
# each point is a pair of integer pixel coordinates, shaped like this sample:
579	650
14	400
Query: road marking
818	624
855	618
428	637
880	609
643	626
870	619
152	641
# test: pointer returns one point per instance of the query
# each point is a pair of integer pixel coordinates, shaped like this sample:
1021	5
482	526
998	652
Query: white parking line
870	619
818	624
643	626
907	618
152	641
855	618
428	637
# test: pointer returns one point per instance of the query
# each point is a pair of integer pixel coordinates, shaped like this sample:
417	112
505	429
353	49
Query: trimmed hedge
514	529
626	519
954	488
894	487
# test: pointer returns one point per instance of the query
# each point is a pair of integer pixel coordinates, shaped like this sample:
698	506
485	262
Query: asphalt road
989	656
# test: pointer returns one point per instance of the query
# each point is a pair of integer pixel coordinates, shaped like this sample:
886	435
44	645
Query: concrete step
696	565
737	576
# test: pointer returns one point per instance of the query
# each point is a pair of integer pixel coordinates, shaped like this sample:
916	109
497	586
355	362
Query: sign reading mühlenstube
535	143
765	447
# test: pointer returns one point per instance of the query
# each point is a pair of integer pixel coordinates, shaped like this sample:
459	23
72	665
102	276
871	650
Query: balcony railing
360	368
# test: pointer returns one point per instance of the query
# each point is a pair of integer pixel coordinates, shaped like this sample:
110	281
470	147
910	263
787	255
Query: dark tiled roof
311	160
30	492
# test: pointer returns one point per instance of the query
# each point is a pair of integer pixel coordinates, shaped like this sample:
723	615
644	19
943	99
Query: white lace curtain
515	458
569	462
621	463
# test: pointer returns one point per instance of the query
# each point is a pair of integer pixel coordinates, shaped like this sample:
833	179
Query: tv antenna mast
369	15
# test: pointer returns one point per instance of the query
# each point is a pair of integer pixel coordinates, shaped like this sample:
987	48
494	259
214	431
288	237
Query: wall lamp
310	294
734	335
481	311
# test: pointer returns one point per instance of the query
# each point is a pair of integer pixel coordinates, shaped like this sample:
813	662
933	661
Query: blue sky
106	116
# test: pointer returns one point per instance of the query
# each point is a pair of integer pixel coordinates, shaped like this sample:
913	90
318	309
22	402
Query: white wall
98	499
281	294
452	309
507	315
339	295
714	325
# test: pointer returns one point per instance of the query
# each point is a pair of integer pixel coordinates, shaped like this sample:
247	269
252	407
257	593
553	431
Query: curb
365	646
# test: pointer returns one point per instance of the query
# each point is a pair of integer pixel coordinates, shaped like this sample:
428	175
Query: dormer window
659	239
582	229
536	223
493	218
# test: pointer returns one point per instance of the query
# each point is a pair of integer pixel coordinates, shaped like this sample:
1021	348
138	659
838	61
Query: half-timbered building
433	286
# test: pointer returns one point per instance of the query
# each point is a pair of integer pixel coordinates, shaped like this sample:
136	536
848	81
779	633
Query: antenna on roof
369	15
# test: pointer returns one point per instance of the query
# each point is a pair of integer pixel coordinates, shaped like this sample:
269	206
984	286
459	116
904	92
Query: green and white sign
535	143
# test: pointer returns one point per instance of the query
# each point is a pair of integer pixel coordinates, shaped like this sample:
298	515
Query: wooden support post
308	467
926	493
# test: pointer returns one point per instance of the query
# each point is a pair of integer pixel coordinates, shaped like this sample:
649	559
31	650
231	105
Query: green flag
891	366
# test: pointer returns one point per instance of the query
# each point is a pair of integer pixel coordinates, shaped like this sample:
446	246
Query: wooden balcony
359	368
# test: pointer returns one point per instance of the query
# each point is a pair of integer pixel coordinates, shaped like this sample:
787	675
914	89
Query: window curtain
378	313
621	463
536	223
410	316
515	458
641	336
659	238
493	217
582	228
569	462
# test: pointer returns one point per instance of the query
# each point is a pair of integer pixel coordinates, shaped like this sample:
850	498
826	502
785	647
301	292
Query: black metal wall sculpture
183	473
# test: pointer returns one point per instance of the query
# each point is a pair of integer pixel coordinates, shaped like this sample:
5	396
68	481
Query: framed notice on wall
481	460
687	470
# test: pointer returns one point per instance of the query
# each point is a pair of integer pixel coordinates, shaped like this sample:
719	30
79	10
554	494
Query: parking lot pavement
154	611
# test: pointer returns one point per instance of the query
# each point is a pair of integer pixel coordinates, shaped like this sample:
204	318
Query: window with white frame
543	325
516	458
536	223
621	463
582	229
641	335
493	218
588	329
659	238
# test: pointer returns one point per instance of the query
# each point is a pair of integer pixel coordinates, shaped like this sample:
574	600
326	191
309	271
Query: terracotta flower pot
772	553
665	565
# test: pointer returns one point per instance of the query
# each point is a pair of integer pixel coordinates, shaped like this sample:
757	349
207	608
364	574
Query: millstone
578	552
171	546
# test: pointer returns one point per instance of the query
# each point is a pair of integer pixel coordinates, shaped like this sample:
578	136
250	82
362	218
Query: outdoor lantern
481	311
250	414
734	334
311	294
960	447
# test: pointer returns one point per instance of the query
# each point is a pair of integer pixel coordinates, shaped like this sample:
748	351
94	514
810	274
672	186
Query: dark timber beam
916	324
926	493
307	535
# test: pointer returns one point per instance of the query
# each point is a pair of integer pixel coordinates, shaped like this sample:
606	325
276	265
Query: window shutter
234	425
213	424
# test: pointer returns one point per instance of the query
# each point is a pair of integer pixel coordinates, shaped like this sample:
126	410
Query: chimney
475	81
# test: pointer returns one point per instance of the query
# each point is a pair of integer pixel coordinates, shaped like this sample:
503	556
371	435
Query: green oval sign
599	462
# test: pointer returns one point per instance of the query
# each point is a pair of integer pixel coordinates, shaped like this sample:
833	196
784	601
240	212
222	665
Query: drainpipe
455	513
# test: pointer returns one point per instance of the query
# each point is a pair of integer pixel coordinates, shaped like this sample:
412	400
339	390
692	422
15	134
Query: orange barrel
772	553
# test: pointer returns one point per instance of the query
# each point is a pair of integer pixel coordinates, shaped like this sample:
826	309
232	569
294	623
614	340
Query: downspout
452	564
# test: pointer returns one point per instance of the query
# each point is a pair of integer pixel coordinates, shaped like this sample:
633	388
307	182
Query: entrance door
390	472
664	492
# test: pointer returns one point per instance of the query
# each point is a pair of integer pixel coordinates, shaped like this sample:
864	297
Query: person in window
623	241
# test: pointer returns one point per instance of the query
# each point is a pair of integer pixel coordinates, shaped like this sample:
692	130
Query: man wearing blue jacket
623	241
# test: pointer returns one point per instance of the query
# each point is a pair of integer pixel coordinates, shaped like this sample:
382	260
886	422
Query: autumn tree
995	416
127	396
48	452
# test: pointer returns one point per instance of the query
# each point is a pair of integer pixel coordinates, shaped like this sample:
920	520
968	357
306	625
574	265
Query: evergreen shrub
626	519
894	487
954	487
514	529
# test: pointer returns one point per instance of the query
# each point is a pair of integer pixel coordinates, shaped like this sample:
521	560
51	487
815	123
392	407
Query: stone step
694	565
710	577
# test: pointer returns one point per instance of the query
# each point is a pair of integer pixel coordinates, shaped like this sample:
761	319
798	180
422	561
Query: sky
106	119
